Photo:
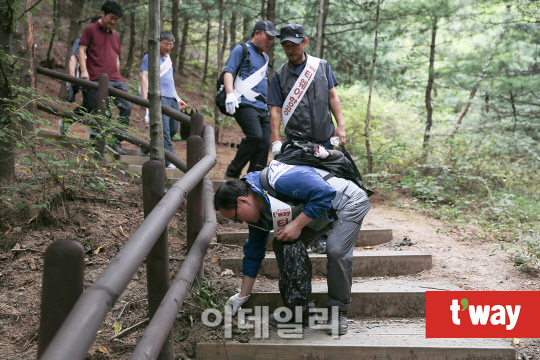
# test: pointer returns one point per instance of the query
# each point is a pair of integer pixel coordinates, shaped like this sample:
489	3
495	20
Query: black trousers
254	148
123	105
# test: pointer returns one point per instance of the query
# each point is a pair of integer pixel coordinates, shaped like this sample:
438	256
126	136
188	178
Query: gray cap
292	32
266	26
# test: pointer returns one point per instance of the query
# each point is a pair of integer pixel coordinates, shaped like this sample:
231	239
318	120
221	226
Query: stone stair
383	339
365	263
386	317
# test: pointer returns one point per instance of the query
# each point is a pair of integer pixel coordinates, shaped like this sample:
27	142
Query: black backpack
339	164
221	95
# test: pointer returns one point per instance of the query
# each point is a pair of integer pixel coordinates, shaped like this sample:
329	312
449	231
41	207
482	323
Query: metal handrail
163	320
177	115
78	331
124	135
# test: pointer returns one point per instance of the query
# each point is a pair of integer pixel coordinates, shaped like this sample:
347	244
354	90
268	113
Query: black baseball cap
266	26
292	32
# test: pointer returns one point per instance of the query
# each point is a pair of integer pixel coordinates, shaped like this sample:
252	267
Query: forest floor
463	257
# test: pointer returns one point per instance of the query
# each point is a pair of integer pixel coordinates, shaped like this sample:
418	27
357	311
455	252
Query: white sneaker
171	166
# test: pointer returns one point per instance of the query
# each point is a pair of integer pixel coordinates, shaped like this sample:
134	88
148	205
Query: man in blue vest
246	200
303	96
246	98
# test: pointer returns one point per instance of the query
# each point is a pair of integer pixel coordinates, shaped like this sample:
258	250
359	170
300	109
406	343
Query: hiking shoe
313	318
227	177
319	244
342	325
171	166
143	152
118	149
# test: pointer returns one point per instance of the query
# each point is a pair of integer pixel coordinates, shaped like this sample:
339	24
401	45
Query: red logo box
482	314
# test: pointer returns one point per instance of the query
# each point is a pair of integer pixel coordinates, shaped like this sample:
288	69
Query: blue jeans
170	126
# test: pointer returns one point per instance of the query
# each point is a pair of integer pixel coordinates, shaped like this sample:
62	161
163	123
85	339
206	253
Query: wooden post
157	261
195	210
63	274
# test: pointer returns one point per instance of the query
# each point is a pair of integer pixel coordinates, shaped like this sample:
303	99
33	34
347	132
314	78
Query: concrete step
171	173
366	237
386	339
370	298
133	160
131	152
365	263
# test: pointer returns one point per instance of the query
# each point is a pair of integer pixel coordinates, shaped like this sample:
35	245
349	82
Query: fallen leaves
215	260
98	250
227	272
34	218
122	231
103	349
117	327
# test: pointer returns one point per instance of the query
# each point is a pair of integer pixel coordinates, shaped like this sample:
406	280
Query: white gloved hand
231	103
235	302
276	148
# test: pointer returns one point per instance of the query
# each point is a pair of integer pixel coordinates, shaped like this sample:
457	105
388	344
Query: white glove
235	302
276	148
147	117
231	103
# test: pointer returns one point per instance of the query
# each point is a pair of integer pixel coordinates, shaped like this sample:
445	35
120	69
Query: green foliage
208	298
55	170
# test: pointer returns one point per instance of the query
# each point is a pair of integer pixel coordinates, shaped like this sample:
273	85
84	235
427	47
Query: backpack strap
245	54
263	178
265	183
328	176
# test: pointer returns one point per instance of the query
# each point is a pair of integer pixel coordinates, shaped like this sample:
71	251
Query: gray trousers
339	251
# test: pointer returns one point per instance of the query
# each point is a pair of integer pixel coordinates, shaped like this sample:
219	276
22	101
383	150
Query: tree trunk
368	146
323	13
182	55
162	15
142	38
217	122
175	30
232	31
131	51
154	83
16	36
49	61
476	85
74	31
429	87
263	9
271	11
220	35
248	28
207	55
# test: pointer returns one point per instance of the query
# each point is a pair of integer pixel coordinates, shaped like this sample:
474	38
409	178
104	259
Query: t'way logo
482	314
